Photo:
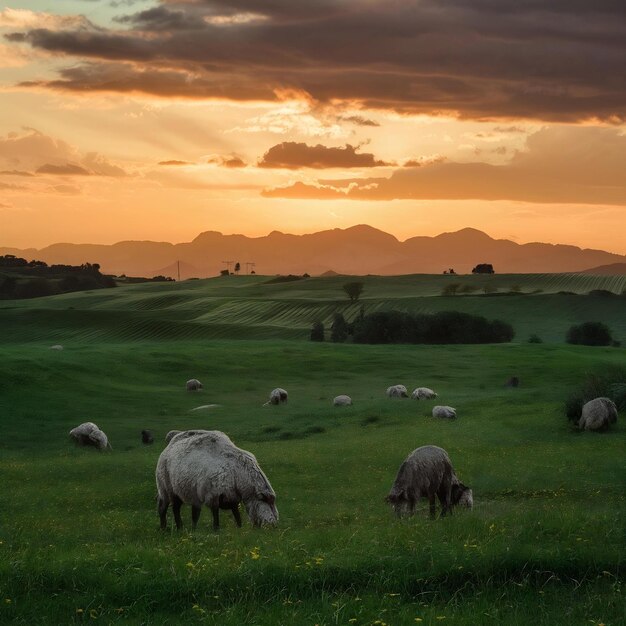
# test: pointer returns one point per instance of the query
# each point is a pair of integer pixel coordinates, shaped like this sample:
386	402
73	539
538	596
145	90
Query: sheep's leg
444	493
216	517
431	502
162	508
236	515
176	504
195	516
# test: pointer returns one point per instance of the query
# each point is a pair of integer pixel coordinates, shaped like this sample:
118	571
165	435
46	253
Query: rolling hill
241	307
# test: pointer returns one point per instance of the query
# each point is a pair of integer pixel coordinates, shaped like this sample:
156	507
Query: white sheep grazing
207	468
423	393
194	385
428	472
57	346
342	401
277	396
88	434
597	414
446	412
397	391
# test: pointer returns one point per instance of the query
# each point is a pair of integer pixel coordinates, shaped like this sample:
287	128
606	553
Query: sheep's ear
395	496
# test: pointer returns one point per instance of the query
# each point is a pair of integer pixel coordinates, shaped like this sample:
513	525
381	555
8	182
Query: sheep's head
262	509
462	496
399	502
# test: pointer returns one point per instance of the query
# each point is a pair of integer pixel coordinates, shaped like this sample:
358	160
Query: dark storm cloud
560	61
293	155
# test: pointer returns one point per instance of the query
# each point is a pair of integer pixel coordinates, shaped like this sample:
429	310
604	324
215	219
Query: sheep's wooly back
397	391
342	401
423	393
597	414
201	466
88	434
446	412
193	385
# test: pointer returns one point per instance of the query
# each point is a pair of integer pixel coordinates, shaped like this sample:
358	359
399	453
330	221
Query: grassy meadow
79	537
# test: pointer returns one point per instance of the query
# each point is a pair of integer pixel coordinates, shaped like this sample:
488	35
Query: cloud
26	19
560	165
233	161
33	150
69	169
558	61
293	155
174	162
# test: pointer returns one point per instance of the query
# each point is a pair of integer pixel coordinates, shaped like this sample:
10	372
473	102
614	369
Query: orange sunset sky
146	119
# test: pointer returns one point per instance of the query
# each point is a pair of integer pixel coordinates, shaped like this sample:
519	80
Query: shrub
439	328
339	329
317	332
535	339
451	289
590	334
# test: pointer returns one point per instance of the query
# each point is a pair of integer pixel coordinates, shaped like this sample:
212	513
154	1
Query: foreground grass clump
79	531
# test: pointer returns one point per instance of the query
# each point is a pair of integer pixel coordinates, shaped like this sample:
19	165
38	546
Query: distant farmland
250	307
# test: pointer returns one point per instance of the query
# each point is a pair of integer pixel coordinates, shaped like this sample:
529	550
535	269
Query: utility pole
228	264
249	264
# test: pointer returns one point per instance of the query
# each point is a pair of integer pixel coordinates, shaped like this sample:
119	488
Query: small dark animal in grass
208	469
513	382
428	472
147	437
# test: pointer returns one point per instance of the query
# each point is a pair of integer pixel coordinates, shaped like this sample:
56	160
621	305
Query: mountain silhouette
359	249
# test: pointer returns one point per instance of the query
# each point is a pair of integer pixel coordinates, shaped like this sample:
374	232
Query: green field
79	538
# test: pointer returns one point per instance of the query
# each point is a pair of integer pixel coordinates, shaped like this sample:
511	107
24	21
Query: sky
148	119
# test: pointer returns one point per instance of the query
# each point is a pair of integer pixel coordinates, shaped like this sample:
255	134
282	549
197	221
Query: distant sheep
147	437
58	346
428	472
598	414
513	382
446	412
277	396
397	391
88	434
208	469
342	400
194	385
423	393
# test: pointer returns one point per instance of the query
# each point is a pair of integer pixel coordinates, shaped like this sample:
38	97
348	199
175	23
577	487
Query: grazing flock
205	468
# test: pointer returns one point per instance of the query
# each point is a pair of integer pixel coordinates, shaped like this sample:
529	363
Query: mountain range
357	250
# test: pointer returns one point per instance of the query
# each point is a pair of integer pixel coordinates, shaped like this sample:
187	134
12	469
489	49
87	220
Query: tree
354	291
339	329
224	272
483	268
451	289
317	332
237	267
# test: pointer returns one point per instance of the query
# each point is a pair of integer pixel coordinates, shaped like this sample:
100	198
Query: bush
439	328
590	334
317	332
339	329
353	291
535	339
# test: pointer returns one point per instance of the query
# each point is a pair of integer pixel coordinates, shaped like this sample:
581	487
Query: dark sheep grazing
147	437
513	382
428	472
